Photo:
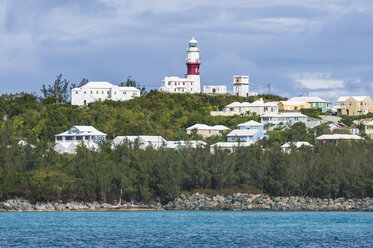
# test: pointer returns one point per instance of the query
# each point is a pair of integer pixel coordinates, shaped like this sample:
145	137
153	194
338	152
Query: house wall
205	133
291	107
353	107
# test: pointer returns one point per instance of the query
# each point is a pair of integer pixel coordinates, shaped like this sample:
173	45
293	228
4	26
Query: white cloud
315	81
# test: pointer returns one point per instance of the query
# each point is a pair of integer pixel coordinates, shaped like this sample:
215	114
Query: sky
300	47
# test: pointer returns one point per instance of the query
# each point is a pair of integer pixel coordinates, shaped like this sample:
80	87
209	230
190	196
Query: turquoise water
186	229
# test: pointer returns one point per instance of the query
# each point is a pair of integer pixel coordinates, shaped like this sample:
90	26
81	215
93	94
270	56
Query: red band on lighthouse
193	68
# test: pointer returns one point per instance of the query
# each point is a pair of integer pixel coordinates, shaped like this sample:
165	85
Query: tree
82	83
133	83
58	90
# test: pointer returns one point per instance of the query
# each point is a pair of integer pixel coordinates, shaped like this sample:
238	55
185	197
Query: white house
298	144
247	135
336	138
101	91
144	141
206	130
68	141
258	107
287	119
230	146
215	89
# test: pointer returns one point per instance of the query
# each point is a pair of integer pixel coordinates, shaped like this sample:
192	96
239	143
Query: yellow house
293	105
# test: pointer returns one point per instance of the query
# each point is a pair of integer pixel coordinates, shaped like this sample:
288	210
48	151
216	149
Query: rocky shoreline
24	205
197	201
246	202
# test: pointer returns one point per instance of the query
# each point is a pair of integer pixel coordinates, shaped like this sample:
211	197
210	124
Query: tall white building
101	91
241	85
191	83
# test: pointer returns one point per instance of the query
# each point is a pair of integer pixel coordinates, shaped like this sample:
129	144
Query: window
97	92
91	92
349	104
108	92
86	137
124	93
69	138
59	138
183	83
79	137
102	92
191	83
85	92
169	83
76	92
115	92
175	90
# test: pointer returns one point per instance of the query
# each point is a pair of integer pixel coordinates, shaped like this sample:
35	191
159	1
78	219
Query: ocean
186	229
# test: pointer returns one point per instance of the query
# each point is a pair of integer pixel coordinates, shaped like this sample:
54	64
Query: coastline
197	201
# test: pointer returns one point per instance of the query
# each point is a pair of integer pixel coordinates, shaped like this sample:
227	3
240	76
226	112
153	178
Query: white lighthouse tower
191	83
193	63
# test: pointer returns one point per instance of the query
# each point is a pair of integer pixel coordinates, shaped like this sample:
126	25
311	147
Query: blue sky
309	47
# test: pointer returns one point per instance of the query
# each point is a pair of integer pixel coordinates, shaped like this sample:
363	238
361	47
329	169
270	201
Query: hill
155	113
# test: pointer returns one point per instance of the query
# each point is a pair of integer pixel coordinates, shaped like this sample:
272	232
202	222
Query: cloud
315	81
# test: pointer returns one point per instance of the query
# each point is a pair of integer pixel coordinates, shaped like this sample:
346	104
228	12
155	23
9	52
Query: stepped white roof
185	143
246	132
307	99
356	98
207	127
250	123
231	144
98	85
284	114
81	131
257	103
339	136
295	103
297	144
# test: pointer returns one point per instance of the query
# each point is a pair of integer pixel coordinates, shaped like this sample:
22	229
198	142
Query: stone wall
261	202
24	205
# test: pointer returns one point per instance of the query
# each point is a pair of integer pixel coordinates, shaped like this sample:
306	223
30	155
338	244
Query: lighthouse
191	83
193	63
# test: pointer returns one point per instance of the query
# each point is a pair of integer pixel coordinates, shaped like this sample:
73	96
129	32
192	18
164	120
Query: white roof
284	114
185	143
172	78
220	127
82	130
257	103
234	104
339	136
232	144
357	98
99	85
250	123
246	132
307	99
207	127
369	123
297	144
295	103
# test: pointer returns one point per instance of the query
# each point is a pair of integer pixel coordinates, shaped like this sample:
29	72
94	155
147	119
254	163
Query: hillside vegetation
155	113
39	174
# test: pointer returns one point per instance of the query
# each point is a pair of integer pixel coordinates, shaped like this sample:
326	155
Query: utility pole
269	92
